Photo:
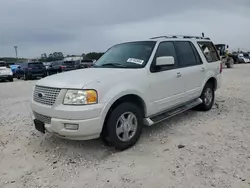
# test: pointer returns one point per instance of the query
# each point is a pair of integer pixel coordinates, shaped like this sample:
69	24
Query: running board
170	113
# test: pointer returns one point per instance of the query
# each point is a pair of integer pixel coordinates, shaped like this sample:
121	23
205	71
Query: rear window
69	62
34	65
209	51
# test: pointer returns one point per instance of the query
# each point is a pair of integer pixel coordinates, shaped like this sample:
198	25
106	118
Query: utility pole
16	51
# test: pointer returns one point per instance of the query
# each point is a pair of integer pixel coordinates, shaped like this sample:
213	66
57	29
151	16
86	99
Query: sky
82	26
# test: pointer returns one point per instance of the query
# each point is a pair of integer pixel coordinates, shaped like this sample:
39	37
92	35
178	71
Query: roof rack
180	36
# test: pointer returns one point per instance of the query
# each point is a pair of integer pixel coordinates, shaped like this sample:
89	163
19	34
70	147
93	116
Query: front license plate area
39	126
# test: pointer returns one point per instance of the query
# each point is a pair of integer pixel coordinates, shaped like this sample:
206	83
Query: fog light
71	126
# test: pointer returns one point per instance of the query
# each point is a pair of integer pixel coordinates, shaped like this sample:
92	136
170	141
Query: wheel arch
132	98
213	81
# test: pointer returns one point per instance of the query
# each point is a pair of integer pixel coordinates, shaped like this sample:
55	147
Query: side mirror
227	46
18	67
165	60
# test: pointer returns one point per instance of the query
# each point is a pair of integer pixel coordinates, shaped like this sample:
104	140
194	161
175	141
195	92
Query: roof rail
181	36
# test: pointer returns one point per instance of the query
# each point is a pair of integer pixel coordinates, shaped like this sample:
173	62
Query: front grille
42	118
45	95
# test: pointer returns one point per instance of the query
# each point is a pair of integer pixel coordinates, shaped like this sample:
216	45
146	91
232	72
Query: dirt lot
215	152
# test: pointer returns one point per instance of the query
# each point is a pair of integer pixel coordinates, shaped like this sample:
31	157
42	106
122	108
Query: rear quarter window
209	51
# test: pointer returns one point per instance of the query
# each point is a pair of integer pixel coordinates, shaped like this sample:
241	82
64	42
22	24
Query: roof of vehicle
179	37
173	37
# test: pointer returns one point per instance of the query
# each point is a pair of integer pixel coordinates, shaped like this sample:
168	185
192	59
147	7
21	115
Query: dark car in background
47	64
55	67
87	63
31	70
71	65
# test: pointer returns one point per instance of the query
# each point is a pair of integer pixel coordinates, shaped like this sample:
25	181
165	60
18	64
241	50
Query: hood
78	78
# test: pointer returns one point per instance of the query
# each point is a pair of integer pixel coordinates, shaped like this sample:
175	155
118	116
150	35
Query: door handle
202	69
178	74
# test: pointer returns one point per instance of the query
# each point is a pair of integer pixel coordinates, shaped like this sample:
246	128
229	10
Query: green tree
93	55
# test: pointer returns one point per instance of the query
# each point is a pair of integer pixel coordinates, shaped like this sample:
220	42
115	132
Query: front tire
124	126
207	97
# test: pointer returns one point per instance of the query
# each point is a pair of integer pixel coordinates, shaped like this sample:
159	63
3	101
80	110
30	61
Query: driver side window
165	49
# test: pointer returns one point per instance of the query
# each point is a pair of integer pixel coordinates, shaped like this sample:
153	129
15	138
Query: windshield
2	64
127	55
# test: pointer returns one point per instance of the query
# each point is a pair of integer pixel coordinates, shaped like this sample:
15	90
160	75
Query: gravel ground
192	150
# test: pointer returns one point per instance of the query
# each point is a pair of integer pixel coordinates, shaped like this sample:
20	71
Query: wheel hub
208	96
126	126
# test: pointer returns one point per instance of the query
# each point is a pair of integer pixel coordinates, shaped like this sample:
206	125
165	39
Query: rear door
192	68
210	55
166	82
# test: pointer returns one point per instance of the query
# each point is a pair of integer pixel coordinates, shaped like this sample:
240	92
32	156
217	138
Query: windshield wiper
113	64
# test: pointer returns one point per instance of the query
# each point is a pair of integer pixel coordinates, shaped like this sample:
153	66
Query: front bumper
88	118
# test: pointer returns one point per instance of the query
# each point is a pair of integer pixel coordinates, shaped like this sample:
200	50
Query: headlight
80	97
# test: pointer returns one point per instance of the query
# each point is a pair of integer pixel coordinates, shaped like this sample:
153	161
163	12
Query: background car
47	64
71	65
13	67
31	70
55	67
5	72
87	63
243	59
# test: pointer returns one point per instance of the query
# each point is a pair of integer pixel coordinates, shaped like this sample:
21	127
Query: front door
167	84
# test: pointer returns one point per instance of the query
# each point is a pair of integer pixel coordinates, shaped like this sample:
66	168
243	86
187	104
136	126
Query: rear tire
25	77
124	126
11	79
230	64
207	97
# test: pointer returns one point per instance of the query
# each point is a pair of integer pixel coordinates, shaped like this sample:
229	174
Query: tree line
59	56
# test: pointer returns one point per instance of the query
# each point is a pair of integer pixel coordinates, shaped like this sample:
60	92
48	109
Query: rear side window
209	51
187	56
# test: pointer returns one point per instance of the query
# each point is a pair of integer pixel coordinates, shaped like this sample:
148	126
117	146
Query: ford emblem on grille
40	95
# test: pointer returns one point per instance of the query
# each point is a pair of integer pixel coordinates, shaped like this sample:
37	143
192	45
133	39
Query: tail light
62	67
221	67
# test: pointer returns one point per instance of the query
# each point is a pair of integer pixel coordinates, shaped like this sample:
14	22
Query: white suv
131	85
5	72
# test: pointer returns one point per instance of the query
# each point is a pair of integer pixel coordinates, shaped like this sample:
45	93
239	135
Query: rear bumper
6	76
33	74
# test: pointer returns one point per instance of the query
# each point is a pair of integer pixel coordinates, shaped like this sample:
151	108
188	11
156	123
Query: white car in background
5	72
243	59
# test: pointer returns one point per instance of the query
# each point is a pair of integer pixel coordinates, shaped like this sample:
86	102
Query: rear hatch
36	67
